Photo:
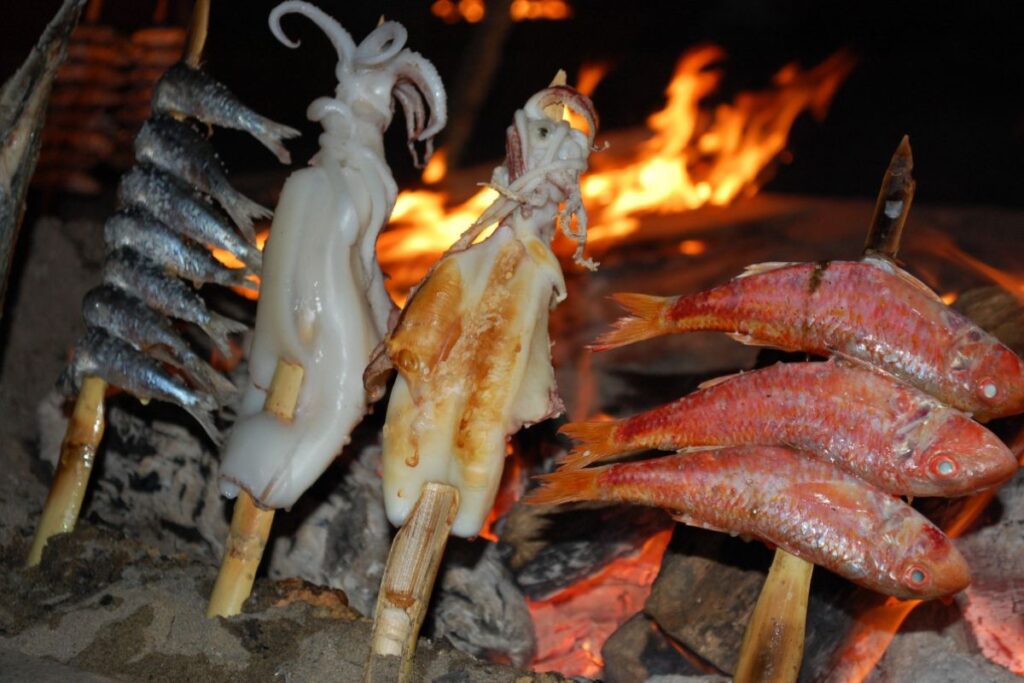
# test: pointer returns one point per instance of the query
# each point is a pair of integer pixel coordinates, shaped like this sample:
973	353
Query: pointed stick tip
559	79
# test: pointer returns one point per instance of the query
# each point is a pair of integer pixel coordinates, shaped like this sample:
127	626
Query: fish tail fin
204	416
270	135
645	320
244	212
219	386
594	442
566	486
219	328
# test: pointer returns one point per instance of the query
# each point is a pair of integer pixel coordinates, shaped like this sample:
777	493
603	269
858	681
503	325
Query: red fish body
870	311
888	433
809	508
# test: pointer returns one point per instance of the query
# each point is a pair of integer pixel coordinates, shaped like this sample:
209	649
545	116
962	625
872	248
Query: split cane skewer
85	429
250	523
408	581
77	456
773	644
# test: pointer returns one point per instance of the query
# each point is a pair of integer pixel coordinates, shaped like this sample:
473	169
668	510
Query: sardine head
932	566
962	457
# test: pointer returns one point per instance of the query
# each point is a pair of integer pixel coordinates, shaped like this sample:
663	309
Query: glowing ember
437	168
573	625
694	156
231	261
473	11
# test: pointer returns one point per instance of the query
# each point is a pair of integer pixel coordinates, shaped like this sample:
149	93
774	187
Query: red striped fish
869	310
809	508
888	433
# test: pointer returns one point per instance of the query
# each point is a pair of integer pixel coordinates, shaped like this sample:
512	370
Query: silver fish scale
181	209
137	229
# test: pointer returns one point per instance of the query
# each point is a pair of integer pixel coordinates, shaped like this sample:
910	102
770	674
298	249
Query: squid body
322	303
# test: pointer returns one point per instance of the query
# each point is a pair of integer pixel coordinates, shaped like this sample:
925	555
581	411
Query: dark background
947	73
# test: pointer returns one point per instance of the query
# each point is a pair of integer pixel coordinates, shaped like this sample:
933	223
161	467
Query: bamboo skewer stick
250	523
773	644
408	582
77	456
85	429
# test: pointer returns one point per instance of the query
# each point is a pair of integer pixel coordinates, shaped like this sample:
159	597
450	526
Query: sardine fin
643	322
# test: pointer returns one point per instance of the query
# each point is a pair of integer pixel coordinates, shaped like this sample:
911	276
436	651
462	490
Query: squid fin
643	322
566	486
594	442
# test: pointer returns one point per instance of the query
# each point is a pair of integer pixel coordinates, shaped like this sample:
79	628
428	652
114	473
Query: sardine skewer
85	429
773	645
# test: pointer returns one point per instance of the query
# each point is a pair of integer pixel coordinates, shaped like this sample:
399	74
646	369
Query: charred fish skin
188	91
902	328
124	316
98	354
884	431
136	229
175	147
180	209
810	508
137	275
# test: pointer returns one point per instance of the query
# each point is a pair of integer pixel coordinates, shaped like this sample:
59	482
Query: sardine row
98	354
128	318
146	280
137	229
177	148
177	207
188	91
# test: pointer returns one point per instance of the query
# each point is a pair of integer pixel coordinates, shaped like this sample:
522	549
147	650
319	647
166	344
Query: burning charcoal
640	650
480	609
582	541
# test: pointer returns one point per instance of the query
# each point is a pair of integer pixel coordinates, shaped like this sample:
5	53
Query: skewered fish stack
812	457
173	205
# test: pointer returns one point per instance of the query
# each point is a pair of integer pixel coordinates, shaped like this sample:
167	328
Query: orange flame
694	156
231	261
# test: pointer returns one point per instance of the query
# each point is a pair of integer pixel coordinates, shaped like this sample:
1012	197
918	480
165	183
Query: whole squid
472	347
323	305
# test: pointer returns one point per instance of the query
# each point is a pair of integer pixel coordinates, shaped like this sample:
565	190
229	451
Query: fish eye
916	576
943	466
988	389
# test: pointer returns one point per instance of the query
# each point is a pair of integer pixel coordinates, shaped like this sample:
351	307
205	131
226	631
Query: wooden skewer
77	456
85	430
250	523
773	643
408	582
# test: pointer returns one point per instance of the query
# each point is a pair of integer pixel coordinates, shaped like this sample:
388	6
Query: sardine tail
566	486
594	442
219	327
244	212
205	420
643	322
270	135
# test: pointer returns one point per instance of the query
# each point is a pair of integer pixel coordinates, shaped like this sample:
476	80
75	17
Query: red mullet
809	508
869	311
886	432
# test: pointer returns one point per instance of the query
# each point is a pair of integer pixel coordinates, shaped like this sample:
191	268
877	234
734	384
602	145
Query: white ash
154	479
480	609
343	540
